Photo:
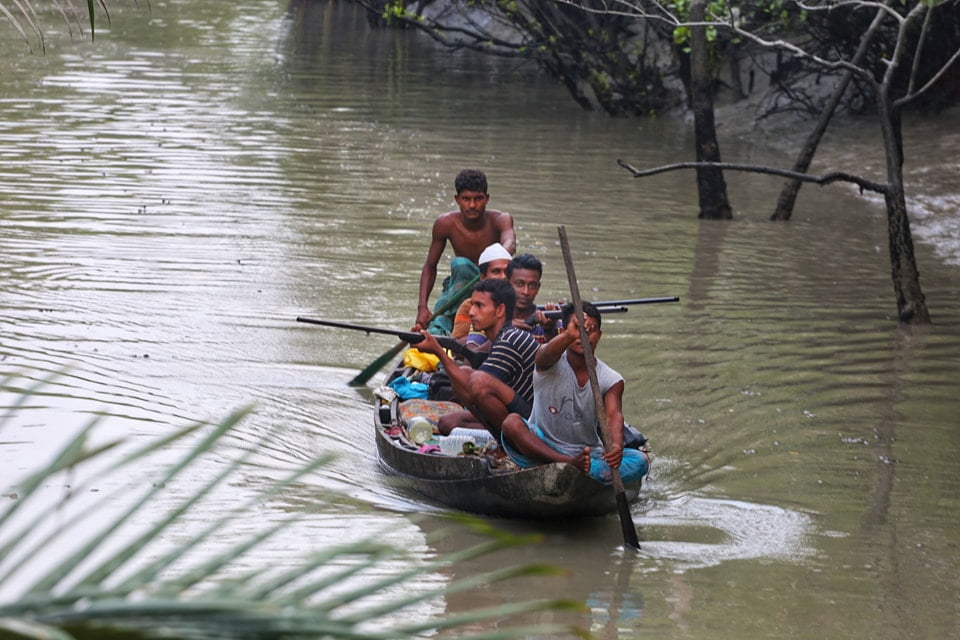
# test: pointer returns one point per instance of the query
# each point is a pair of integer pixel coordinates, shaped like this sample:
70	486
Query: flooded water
173	195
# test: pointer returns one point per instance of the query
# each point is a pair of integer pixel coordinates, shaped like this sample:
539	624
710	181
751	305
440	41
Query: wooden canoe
471	483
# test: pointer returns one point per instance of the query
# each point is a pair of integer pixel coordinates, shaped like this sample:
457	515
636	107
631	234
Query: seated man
563	422
502	384
493	264
524	273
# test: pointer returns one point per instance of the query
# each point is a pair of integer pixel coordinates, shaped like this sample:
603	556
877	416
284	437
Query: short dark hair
471	180
525	261
501	292
588	310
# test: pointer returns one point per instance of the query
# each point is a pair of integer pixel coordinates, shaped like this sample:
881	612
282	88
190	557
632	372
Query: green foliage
26	20
139	590
681	8
764	15
395	11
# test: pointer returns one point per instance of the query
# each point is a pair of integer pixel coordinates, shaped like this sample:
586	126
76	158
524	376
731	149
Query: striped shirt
511	360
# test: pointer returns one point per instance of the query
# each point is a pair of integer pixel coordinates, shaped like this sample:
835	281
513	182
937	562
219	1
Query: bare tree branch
896	58
917	55
827	178
930	83
853	4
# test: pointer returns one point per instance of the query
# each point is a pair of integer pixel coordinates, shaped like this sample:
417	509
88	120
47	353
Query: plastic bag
406	389
420	360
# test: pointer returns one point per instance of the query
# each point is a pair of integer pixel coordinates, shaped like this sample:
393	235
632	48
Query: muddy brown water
176	193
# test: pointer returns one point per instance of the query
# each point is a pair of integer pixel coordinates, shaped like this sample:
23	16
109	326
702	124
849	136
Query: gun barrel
411	337
638	301
555	314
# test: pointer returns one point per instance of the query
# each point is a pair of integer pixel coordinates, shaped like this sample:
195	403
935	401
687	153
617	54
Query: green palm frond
347	590
24	15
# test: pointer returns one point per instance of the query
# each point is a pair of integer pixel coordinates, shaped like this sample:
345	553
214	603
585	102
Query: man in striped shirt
503	384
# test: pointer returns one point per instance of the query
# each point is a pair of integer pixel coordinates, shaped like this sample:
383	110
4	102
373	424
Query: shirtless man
469	230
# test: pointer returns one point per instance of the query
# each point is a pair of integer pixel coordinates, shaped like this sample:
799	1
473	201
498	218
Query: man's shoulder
446	219
517	338
605	369
499	215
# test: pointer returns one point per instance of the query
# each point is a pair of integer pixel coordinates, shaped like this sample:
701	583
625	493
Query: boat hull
469	483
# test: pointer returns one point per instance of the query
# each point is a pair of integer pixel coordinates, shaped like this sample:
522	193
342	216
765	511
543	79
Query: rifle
475	358
620	303
606	306
556	314
612	303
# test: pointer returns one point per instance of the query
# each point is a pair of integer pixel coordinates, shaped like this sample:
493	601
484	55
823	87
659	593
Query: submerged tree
893	62
711	187
903	77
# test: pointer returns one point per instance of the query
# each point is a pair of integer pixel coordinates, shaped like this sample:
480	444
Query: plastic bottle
480	436
420	430
453	445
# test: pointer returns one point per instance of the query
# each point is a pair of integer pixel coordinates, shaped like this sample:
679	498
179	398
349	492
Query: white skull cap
494	252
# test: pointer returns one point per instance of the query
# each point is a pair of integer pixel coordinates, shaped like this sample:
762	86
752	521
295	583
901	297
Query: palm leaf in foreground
348	590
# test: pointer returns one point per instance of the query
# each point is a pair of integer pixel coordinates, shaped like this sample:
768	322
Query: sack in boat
432	411
632	438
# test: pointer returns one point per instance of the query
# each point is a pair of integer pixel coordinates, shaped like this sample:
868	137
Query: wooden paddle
371	370
623	506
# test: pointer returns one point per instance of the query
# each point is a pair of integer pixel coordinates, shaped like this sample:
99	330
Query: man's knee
512	425
449	422
479	381
485	386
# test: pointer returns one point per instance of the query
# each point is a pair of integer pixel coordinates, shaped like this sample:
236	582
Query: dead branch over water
827	178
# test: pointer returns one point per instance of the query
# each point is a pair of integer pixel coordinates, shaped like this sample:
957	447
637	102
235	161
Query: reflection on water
175	194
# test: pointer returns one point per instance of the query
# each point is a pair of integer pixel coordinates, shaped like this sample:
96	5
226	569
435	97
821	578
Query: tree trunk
733	66
791	188
911	303
710	183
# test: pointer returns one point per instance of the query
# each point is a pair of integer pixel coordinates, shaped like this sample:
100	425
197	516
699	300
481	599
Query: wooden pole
623	506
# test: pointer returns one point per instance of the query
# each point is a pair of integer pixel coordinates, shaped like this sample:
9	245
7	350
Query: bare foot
582	460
